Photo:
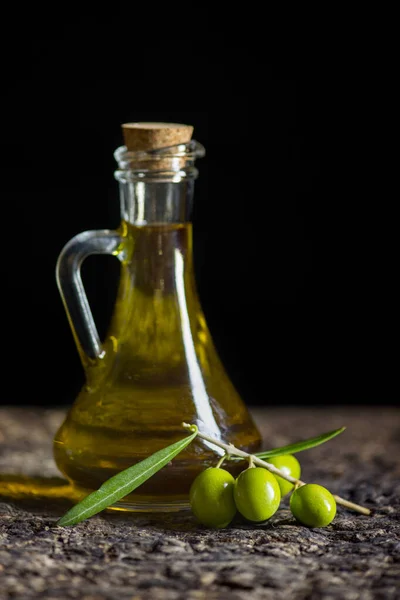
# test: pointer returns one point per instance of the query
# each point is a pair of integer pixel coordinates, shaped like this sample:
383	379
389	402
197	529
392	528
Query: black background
295	249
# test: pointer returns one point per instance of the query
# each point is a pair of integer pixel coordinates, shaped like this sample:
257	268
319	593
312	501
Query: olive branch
230	450
125	482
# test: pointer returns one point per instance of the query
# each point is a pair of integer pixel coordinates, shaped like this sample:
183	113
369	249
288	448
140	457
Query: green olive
290	466
257	494
211	497
313	505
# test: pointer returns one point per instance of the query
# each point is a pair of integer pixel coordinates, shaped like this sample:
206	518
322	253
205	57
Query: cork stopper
150	136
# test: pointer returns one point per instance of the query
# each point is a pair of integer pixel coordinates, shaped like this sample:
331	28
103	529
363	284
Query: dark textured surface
123	556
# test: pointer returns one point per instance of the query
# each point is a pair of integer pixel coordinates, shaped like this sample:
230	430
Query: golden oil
159	368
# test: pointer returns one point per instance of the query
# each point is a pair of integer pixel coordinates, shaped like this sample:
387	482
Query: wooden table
114	555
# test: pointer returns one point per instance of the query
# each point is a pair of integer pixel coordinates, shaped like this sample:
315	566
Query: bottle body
159	368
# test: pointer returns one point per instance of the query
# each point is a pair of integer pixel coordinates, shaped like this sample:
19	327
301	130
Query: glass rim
189	151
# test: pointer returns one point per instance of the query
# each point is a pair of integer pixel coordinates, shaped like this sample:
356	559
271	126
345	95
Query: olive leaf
300	446
124	483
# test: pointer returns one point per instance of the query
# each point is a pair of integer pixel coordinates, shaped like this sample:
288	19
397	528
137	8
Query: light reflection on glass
200	396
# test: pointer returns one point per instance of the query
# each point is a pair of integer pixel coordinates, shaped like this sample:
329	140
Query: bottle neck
146	202
157	187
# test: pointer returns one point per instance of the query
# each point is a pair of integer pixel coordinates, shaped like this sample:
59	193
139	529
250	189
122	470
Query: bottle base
140	504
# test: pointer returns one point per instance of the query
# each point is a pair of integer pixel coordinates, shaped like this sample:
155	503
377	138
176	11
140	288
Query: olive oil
160	368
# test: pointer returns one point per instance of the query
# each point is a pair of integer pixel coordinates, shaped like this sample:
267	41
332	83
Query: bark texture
169	557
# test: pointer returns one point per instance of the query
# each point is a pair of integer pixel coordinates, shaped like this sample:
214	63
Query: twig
230	449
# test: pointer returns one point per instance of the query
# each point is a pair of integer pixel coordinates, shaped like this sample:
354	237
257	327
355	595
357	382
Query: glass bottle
157	366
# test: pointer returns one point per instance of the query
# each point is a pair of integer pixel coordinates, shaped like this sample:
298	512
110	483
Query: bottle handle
69	281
